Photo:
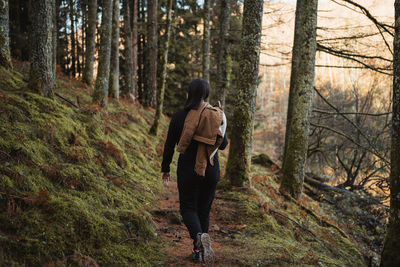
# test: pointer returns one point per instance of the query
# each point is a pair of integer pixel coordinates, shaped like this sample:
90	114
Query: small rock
215	227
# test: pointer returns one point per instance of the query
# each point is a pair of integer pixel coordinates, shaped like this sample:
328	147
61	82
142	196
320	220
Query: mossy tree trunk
41	74
5	58
114	61
206	40
238	166
160	94
100	92
151	56
300	97
90	42
128	49
223	50
391	246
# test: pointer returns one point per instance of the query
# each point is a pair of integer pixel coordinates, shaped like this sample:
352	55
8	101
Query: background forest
87	87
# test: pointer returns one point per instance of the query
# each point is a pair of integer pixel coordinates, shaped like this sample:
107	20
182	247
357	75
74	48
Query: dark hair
198	90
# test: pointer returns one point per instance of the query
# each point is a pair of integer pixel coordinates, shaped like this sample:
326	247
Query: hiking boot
197	251
208	252
197	255
197	242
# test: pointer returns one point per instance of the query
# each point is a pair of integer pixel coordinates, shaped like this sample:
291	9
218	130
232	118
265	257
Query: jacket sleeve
169	146
224	143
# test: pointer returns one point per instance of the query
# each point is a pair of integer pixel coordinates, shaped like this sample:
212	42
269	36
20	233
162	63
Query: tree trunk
391	246
114	64
300	97
55	38
90	42
135	11
141	53
84	31
59	49
41	75
151	73
206	41
72	36
128	49
78	47
237	169
160	95
100	92
5	58
223	46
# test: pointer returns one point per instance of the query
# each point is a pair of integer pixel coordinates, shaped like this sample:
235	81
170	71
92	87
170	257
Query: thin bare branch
348	138
375	152
366	12
351	113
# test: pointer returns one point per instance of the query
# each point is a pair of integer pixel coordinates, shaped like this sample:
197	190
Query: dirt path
172	230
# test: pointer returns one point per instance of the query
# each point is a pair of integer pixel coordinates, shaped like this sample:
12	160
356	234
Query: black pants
196	195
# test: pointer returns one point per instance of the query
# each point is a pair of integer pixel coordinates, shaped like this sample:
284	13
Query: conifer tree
5	58
151	56
391	246
223	50
300	97
100	93
114	61
128	49
206	40
237	169
41	74
160	94
90	42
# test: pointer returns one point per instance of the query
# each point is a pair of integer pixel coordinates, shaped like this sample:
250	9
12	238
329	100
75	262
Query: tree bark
41	75
141	53
55	38
160	95
300	97
151	90
128	49
237	169
90	42
72	36
223	50
78	47
100	93
206	41
5	58
135	11
84	32
114	64
391	246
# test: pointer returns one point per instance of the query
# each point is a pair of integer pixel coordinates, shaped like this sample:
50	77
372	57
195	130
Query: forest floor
257	226
81	187
173	232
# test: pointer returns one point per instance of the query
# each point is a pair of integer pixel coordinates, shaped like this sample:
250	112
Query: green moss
276	232
98	196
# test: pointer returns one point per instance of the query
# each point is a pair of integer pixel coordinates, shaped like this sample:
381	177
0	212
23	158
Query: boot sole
208	253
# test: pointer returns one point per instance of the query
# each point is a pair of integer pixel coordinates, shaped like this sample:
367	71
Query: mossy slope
76	185
270	230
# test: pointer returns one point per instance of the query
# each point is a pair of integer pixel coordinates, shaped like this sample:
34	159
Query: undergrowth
271	230
76	185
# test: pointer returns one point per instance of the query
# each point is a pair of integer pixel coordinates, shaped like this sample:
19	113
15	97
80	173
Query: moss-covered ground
78	187
257	226
274	231
76	184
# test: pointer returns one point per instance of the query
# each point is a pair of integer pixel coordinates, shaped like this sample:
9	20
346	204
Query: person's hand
165	178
